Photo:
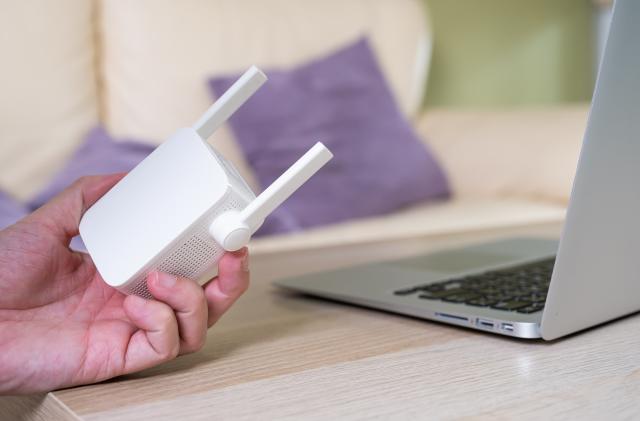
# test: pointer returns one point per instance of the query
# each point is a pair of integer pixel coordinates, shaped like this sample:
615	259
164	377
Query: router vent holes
193	257
140	288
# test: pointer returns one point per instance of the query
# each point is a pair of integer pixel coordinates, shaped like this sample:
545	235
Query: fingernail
166	280
245	260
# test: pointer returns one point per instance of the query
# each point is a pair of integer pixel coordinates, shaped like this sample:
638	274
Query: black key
406	291
500	297
481	302
531	308
435	295
442	293
433	287
475	280
510	305
507	289
490	291
460	298
534	298
539	298
518	292
453	285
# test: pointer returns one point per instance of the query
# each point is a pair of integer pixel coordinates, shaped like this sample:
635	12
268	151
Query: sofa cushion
159	54
418	222
98	154
48	88
343	100
527	153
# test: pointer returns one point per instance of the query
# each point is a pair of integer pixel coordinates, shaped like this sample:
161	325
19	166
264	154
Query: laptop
537	288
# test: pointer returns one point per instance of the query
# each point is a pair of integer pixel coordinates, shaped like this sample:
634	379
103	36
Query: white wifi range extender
184	205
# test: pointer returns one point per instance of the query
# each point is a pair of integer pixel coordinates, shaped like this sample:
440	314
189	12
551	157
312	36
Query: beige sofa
139	68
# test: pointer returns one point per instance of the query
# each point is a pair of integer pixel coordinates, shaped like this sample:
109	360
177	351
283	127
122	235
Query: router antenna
229	102
284	186
233	229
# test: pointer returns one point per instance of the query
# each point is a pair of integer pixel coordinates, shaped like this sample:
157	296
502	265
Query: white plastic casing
184	205
158	216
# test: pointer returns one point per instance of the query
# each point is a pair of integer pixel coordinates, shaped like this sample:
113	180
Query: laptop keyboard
519	288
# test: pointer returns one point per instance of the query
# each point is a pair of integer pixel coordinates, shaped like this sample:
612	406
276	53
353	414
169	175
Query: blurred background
444	115
515	52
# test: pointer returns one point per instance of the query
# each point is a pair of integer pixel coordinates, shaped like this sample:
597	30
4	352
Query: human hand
62	325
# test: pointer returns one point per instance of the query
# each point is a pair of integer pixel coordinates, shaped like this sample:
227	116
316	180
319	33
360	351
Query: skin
61	325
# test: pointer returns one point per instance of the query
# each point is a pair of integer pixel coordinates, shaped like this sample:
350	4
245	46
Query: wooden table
282	356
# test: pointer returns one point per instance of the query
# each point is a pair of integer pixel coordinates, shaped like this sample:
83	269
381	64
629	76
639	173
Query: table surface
277	355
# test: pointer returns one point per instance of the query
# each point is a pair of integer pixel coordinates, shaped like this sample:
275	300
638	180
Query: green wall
490	53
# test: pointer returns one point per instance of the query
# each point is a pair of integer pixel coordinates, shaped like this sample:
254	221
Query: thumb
62	214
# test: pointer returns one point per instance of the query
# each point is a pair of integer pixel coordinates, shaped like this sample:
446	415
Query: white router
184	205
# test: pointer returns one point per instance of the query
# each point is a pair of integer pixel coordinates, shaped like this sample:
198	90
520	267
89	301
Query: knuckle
203	303
193	292
169	350
174	350
190	299
192	346
170	353
166	319
187	289
198	301
200	342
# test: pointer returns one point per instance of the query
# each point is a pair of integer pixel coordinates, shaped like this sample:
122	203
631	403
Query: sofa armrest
530	153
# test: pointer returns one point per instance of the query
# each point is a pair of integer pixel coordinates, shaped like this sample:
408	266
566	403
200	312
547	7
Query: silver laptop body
596	274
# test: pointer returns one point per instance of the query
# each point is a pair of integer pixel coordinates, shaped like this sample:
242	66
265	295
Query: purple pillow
99	154
10	210
343	101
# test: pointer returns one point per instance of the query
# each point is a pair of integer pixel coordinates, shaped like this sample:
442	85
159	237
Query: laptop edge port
485	324
507	327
